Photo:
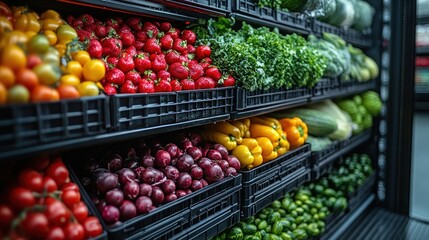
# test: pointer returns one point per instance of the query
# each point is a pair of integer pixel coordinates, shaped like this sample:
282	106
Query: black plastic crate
211	7
361	194
294	20
349	35
327	86
354	87
175	217
246	99
25	125
250	7
132	111
357	139
270	181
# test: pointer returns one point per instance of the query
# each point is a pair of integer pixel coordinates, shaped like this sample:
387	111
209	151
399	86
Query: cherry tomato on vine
56	233
92	227
6	216
39	163
70	197
31	180
58	214
20	198
80	212
35	225
58	171
74	231
49	185
70	185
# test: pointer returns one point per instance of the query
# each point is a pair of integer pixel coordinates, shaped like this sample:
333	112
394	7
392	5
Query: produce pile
42	203
36	63
328	121
302	214
342	13
260	58
147	57
257	140
344	61
135	180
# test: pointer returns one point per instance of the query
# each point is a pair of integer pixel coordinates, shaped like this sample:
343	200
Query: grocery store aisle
383	225
419	198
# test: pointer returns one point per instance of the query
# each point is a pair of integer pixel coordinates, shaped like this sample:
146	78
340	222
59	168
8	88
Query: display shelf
176	219
209	7
270	181
323	160
330	88
422	51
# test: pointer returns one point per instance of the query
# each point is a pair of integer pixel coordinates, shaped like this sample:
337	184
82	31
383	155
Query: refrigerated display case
74	128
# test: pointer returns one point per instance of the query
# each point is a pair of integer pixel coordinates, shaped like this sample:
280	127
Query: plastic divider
211	7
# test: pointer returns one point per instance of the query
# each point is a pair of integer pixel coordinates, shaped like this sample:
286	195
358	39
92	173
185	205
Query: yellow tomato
75	68
48	74
65	34
50	24
27	22
52	56
52	37
87	88
50	14
70	79
14	37
81	56
13	57
61	48
7	78
94	70
5	24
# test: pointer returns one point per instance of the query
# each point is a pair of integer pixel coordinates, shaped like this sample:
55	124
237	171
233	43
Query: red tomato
56	233
40	163
35	225
80	212
92	227
57	213
33	60
70	197
70	185
6	216
58	171
21	198
31	179
49	184
74	231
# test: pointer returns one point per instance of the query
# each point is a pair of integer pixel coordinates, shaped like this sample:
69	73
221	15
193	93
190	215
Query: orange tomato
67	91
94	70
27	78
3	94
52	37
81	56
70	79
13	57
18	94
7	78
43	93
88	89
61	48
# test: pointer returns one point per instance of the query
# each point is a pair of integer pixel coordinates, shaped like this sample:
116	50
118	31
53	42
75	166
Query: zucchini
319	124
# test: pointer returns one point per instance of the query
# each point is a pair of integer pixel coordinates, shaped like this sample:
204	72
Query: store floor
383	225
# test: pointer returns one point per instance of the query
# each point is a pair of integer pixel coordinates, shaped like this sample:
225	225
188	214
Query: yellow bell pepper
281	150
258	130
20	10
255	149
240	125
50	14
266	145
217	137
296	130
268	121
51	24
244	155
270	156
226	128
27	22
13	37
5	25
